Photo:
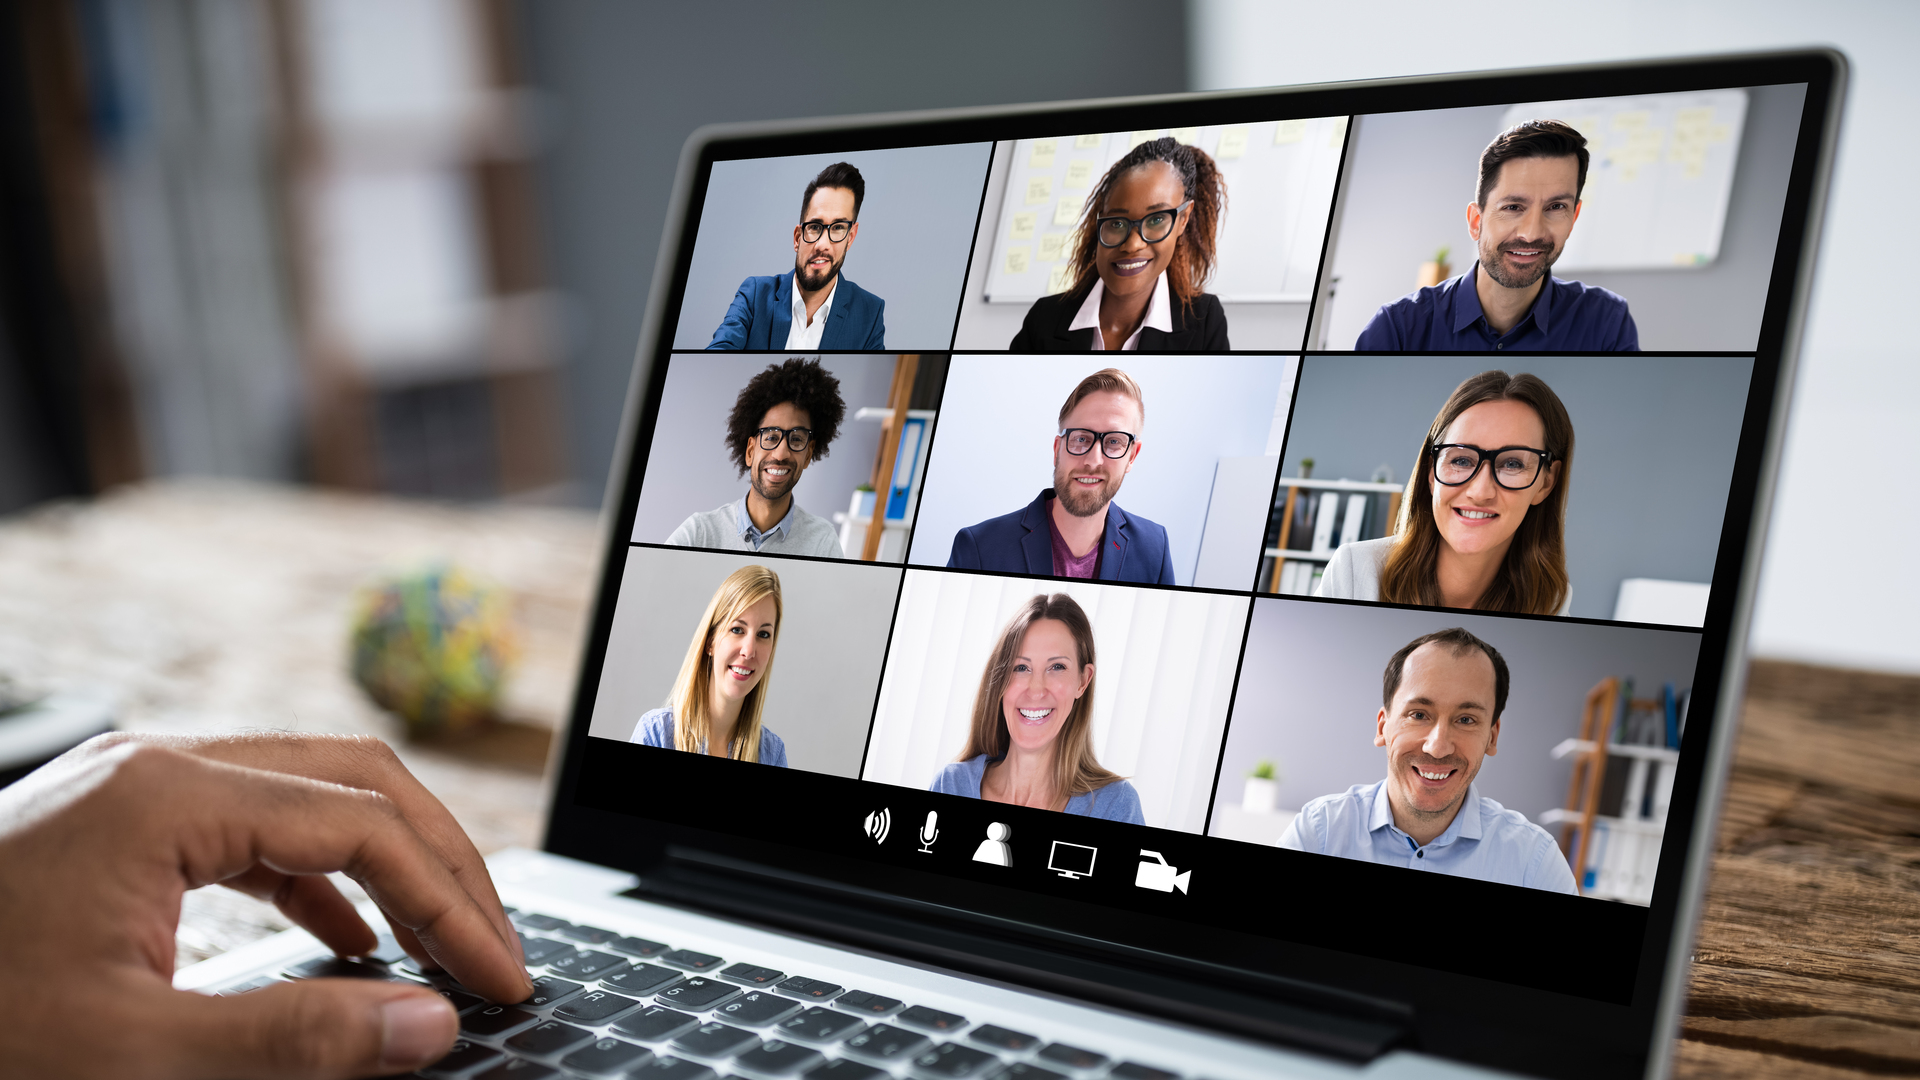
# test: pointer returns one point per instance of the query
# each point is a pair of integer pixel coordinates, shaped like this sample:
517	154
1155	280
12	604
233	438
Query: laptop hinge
1291	1012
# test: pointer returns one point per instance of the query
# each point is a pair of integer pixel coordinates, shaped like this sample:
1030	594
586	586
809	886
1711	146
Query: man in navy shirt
1531	176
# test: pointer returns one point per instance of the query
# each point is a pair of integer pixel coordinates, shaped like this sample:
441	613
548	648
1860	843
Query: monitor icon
1071	860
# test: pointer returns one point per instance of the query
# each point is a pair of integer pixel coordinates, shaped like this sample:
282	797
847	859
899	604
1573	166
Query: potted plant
1262	793
1437	271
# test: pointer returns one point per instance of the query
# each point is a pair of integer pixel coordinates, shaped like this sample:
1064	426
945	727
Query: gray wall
1310	689
689	471
991	326
915	227
1411	176
1654	441
826	661
627	83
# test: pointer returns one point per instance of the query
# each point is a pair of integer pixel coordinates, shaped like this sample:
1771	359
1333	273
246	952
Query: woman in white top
1483	520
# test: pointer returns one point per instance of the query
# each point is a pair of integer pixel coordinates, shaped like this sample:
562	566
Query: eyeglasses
1155	227
798	438
1113	444
811	231
1515	468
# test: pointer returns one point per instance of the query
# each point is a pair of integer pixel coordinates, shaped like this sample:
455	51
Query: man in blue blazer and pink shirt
1073	529
813	308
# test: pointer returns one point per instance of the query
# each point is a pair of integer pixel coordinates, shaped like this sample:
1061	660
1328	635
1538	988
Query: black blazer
1045	329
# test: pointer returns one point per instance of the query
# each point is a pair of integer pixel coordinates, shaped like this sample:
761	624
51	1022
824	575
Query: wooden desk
212	605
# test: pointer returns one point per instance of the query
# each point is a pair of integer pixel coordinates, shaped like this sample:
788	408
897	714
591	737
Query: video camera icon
1154	873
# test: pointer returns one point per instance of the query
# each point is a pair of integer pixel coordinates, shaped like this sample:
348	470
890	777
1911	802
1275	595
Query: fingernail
415	1030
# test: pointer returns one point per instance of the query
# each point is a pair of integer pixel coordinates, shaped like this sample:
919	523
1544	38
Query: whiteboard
1279	177
1659	180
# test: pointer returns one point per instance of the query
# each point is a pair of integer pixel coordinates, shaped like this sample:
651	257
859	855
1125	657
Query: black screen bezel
1468	1017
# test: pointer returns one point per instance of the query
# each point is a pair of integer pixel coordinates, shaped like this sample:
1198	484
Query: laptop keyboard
611	1005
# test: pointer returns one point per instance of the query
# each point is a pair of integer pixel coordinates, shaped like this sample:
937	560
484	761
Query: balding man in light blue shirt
1442	695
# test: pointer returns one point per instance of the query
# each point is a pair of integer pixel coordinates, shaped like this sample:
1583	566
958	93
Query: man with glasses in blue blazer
813	307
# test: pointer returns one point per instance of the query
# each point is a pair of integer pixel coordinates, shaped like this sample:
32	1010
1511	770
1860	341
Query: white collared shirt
799	334
1159	315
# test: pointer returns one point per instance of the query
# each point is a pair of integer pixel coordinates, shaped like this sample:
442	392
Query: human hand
97	848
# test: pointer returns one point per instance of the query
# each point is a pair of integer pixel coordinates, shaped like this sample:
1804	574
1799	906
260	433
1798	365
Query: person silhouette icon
994	848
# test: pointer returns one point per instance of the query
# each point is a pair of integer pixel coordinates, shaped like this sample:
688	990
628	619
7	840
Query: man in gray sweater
783	421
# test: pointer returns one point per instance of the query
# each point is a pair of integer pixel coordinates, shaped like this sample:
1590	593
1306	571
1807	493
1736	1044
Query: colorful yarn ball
434	648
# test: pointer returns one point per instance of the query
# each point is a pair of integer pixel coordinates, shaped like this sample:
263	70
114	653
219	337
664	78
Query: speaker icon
879	823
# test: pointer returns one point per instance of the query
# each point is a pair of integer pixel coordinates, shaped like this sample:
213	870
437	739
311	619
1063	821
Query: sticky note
1042	154
1586	125
1079	174
1631	120
1337	135
1233	143
1088	142
1050	246
1719	132
1066	212
1699	117
1023	226
1186	136
1039	189
1143	136
1058	280
1289	131
1017	259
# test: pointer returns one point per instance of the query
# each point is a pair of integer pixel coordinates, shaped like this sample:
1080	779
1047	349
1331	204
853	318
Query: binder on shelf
1324	520
1356	518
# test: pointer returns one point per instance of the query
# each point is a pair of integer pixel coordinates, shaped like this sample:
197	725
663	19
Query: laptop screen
1296	532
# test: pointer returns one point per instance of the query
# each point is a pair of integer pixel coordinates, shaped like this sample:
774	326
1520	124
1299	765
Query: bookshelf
1277	559
1616	810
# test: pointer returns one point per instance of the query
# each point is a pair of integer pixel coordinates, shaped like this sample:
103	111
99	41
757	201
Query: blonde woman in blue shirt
717	701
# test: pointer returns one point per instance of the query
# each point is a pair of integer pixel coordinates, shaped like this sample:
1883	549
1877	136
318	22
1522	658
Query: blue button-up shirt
1485	840
1567	316
752	534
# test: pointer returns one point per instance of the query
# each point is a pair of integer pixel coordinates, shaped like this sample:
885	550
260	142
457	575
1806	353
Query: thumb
321	1028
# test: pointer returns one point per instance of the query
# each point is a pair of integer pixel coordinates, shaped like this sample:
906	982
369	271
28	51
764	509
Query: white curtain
1164	663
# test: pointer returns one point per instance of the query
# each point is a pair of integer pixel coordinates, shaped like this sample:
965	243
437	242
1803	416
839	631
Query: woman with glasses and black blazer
1145	251
1483	521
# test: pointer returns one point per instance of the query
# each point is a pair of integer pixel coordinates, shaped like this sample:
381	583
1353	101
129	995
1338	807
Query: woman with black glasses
1482	525
1143	254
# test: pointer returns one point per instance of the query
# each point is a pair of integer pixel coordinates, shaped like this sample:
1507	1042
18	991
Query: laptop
1336	677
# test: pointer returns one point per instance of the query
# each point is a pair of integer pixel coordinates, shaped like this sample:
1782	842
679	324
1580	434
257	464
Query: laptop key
642	978
757	1008
534	921
460	999
548	990
886	1044
809	989
585	965
778	1058
818	1025
655	1023
606	1057
952	1061
697	993
1003	1039
672	1068
588	935
540	950
341	967
387	950
1072	1056
497	1020
1024	1071
752	976
637	946
713	1040
932	1019
1133	1070
846	1069
594	1007
551	1037
692	961
519	1069
463	1058
867	1004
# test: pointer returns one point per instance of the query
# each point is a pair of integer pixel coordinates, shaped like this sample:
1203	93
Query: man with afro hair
784	420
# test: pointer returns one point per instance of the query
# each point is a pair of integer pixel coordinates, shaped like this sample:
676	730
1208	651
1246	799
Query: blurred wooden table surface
209	606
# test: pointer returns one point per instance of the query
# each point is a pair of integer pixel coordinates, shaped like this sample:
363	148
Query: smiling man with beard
783	421
1074	529
1441	700
1531	177
812	306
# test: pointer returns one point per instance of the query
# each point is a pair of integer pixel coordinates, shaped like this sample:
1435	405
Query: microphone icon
929	832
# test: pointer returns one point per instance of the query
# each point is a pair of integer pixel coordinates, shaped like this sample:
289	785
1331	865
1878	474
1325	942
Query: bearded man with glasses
1074	529
811	307
784	420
